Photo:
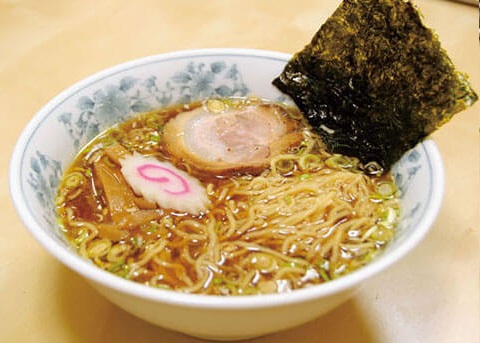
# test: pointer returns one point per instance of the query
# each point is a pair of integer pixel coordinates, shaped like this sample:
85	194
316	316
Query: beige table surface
46	45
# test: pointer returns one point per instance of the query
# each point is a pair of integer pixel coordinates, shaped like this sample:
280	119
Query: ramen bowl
56	133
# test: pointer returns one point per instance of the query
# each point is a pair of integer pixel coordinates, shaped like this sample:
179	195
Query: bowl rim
93	273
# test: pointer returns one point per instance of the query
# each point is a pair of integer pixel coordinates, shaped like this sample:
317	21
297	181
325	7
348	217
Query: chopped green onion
136	241
289	265
324	275
59	199
324	268
150	227
375	197
368	256
284	165
115	267
373	168
382	234
154	122
216	105
163	286
253	99
82	236
304	177
74	180
155	137
118	253
303	144
388	217
339	161
309	161
323	264
217	281
99	248
386	189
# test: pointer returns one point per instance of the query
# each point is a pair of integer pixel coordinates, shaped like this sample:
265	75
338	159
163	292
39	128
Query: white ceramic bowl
54	135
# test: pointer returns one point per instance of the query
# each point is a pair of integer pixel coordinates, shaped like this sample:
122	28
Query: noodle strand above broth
304	219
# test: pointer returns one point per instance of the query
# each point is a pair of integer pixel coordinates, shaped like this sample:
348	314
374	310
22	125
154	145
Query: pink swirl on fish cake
153	173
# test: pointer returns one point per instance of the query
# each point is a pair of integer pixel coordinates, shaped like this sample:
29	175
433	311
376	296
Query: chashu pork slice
234	141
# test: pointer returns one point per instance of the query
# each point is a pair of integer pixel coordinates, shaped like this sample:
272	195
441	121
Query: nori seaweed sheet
374	81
